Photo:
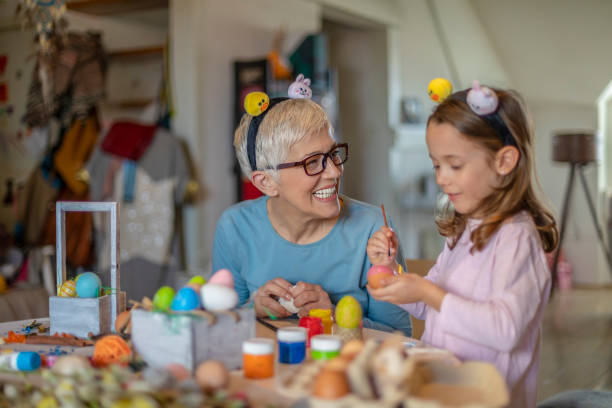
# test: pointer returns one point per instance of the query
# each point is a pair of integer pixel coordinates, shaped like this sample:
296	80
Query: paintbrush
386	224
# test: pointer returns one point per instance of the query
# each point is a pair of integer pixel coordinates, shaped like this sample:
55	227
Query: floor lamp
577	149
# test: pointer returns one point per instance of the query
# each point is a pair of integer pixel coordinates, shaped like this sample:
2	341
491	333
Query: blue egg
185	299
88	285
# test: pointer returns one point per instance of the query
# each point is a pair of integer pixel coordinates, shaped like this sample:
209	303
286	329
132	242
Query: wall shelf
109	7
140	52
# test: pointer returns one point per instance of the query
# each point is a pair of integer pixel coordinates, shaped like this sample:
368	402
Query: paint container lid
325	342
291	334
258	346
28	361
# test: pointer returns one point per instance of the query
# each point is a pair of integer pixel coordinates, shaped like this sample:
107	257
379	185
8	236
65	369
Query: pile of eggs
86	285
216	295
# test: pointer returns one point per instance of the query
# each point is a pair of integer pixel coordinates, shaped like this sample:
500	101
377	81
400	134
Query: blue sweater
247	244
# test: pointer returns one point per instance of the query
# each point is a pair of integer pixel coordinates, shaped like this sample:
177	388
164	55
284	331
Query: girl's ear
506	160
265	183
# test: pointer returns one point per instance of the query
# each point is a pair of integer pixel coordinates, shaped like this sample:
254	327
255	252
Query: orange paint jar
258	358
326	318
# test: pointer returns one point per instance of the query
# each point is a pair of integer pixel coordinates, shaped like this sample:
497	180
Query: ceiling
557	51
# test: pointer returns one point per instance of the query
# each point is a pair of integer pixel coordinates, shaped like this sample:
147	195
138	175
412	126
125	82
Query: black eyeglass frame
325	157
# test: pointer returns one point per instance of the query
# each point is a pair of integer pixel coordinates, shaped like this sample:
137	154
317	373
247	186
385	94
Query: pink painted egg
377	273
222	277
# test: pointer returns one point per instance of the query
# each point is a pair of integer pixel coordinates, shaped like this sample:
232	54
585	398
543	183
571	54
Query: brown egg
211	376
179	371
339	363
330	384
351	349
123	322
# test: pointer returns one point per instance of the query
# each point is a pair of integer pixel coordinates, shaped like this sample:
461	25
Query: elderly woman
302	240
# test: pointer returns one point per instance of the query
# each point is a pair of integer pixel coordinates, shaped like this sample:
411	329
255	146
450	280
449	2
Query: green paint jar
325	347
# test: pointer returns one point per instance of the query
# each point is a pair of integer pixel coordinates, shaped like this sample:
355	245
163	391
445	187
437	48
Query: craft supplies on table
291	344
258	358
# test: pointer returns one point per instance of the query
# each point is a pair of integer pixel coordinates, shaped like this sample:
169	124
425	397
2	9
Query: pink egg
377	273
223	277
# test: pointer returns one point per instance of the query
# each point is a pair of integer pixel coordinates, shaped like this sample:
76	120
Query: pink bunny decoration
300	89
482	100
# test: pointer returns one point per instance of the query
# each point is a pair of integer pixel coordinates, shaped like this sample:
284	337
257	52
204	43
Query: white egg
218	297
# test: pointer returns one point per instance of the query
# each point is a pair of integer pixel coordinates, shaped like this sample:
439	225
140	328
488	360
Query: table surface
260	392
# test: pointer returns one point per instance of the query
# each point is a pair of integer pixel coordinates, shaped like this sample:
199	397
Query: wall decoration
46	16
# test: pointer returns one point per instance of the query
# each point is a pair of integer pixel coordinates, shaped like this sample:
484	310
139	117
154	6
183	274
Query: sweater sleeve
419	309
224	256
518	286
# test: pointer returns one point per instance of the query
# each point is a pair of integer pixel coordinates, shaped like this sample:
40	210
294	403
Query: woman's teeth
325	193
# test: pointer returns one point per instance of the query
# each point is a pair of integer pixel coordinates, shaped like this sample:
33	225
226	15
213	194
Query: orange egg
330	384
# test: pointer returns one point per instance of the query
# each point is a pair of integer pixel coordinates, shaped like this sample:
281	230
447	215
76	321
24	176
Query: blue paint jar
291	344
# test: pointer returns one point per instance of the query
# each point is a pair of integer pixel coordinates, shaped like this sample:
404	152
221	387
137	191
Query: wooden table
260	392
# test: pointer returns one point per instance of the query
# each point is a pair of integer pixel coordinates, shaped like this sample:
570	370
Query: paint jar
326	318
291	344
258	358
325	347
313	325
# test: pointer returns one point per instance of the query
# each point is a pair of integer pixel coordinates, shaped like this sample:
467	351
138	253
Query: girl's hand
382	247
408	288
307	296
266	300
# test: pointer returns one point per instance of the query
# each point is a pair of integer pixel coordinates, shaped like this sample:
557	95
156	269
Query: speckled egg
348	312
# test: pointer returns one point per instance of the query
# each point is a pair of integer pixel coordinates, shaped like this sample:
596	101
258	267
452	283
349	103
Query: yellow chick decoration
439	89
255	103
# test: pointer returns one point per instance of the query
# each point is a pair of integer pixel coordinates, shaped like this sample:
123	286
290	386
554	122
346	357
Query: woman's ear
506	160
265	183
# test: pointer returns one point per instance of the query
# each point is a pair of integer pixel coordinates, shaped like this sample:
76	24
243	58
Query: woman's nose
331	169
441	177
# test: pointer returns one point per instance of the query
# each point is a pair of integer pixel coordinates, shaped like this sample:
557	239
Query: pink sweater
493	309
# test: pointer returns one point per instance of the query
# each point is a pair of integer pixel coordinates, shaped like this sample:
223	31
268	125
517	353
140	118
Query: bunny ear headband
258	104
482	100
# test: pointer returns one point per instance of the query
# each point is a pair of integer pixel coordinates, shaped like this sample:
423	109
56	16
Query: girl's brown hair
516	192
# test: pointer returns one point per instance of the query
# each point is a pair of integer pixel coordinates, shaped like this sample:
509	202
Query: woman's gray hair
286	124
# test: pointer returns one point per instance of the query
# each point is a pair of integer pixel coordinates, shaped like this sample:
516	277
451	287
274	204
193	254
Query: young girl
484	298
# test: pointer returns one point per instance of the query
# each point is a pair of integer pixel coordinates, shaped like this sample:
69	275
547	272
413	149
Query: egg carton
190	338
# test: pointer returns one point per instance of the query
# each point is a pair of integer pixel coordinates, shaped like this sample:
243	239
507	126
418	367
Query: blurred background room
76	76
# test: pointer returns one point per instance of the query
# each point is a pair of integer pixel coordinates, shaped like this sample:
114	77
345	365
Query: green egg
198	280
163	298
348	313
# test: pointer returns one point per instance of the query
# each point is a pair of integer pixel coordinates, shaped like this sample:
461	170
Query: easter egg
377	273
223	277
88	285
212	375
68	289
348	312
198	280
218	297
163	298
185	299
439	89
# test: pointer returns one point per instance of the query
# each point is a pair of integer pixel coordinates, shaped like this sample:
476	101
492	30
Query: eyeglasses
317	163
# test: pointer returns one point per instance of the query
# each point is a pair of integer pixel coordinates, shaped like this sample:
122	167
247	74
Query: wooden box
164	338
82	316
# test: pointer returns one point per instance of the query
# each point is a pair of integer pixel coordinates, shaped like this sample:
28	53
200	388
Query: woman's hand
266	300
408	288
307	296
382	247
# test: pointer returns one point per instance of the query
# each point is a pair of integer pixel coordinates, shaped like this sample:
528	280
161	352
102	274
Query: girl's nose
441	177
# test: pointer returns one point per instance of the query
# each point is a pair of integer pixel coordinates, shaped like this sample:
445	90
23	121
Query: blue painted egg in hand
185	299
88	285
